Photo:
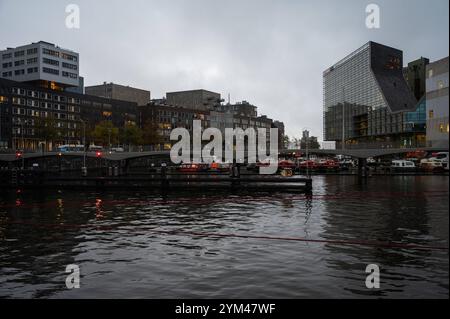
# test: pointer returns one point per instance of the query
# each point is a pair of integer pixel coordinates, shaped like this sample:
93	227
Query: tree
296	142
286	141
150	134
131	135
311	142
105	133
46	129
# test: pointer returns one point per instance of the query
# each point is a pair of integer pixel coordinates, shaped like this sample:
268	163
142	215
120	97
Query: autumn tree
46	128
105	133
150	134
131	135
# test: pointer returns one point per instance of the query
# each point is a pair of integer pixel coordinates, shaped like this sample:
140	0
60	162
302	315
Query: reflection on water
139	244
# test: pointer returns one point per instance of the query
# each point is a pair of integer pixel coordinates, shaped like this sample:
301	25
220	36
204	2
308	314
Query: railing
381	145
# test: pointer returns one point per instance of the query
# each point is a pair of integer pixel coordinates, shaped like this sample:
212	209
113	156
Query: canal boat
432	165
327	165
309	164
403	166
193	168
286	164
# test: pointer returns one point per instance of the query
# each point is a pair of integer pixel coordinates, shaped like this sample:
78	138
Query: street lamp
109	139
84	168
307	149
23	144
411	125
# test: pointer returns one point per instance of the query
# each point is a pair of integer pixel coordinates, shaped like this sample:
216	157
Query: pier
163	180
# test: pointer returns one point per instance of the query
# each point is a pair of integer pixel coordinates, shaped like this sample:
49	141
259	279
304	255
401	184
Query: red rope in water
378	244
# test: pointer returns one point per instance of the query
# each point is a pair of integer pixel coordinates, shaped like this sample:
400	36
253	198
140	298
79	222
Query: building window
19	72
46	96
7	65
32	60
440	85
50	61
50	52
7	56
69	75
32	51
3	99
18	91
32	70
69	57
19	53
441	128
69	66
430	73
50	71
18	101
430	114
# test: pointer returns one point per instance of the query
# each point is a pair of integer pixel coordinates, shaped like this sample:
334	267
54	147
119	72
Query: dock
172	181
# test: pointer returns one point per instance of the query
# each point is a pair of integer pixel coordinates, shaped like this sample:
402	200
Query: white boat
402	165
431	164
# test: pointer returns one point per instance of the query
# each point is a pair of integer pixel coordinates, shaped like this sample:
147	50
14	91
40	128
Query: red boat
286	164
192	168
308	165
328	165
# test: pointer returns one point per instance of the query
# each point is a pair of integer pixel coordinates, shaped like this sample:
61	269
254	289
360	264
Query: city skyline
229	48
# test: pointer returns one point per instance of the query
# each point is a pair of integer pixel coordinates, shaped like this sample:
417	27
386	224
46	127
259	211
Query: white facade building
43	62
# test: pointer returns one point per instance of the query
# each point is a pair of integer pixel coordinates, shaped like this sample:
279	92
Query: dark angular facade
367	96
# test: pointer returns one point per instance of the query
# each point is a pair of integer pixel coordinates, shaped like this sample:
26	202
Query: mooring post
234	174
362	167
164	181
308	184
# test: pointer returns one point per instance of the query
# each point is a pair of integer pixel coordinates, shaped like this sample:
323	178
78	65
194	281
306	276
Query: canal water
215	245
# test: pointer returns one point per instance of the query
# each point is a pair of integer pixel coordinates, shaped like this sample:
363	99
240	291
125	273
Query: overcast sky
270	53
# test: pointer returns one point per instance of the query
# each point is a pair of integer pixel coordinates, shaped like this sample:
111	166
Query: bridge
368	153
125	156
106	155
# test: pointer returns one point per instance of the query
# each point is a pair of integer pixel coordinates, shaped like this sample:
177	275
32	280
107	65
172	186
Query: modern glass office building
366	98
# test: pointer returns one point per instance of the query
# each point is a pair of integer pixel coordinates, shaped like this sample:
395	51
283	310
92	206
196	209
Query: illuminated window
441	128
440	85
107	114
431	114
3	99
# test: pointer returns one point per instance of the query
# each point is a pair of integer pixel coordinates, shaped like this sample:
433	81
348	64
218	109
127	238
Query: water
123	245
